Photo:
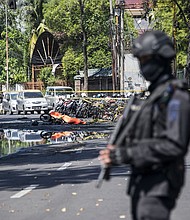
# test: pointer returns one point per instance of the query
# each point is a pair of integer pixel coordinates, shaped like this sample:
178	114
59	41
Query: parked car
54	93
9	102
30	101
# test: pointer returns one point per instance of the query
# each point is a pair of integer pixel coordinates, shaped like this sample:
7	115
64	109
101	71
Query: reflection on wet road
13	140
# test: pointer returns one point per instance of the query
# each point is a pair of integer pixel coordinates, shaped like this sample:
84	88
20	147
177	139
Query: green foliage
69	65
64	17
31	13
17	49
47	77
130	33
169	19
36	33
17	73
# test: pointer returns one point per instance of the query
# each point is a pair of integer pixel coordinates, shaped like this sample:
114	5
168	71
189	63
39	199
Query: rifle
123	127
105	170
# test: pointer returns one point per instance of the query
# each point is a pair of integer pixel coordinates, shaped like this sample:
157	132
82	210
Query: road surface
58	182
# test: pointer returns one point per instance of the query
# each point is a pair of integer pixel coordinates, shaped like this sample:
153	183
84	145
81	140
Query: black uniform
156	136
155	146
156	149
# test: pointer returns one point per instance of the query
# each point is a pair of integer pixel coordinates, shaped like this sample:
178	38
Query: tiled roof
130	2
133	3
104	72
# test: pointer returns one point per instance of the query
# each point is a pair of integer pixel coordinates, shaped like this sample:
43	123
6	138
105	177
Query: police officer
158	143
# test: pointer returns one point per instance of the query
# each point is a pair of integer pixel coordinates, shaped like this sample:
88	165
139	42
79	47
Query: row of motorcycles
83	108
77	108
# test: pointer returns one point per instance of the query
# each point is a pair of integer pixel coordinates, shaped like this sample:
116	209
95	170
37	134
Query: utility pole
112	36
7	46
117	13
119	16
85	56
122	7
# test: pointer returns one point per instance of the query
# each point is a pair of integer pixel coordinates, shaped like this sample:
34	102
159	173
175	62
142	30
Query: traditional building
45	52
133	78
99	80
137	9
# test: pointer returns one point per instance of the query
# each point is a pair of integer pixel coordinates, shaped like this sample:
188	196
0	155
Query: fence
34	85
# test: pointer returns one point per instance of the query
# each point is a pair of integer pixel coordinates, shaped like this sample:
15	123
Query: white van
30	101
53	93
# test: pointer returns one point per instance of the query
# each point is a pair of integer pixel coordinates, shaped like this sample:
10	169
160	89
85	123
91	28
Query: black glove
120	155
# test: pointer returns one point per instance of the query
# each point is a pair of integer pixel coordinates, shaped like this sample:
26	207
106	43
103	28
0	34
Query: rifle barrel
105	170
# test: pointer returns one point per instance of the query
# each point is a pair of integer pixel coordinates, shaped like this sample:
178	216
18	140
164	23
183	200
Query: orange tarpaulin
55	114
67	118
61	134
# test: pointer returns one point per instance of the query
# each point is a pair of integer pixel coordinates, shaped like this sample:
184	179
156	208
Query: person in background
156	143
60	102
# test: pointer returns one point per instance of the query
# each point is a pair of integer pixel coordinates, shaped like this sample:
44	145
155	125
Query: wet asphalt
54	154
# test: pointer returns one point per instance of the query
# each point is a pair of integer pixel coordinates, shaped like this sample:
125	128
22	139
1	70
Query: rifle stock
105	170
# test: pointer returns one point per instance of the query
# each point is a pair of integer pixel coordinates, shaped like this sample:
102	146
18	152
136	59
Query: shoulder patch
173	109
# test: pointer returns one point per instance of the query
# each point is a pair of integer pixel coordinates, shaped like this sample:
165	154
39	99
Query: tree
31	12
46	77
83	26
69	62
169	17
185	14
84	45
17	47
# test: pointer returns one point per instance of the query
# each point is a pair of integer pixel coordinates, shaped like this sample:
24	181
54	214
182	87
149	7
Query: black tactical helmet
154	43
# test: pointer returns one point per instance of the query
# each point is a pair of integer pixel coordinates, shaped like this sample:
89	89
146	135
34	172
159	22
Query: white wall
133	78
16	87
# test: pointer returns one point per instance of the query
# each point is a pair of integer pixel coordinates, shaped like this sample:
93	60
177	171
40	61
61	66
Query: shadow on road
38	166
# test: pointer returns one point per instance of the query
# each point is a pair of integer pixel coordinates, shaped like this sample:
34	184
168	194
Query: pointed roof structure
46	50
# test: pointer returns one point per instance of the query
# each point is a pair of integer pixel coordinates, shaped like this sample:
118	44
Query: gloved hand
104	155
113	155
120	155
